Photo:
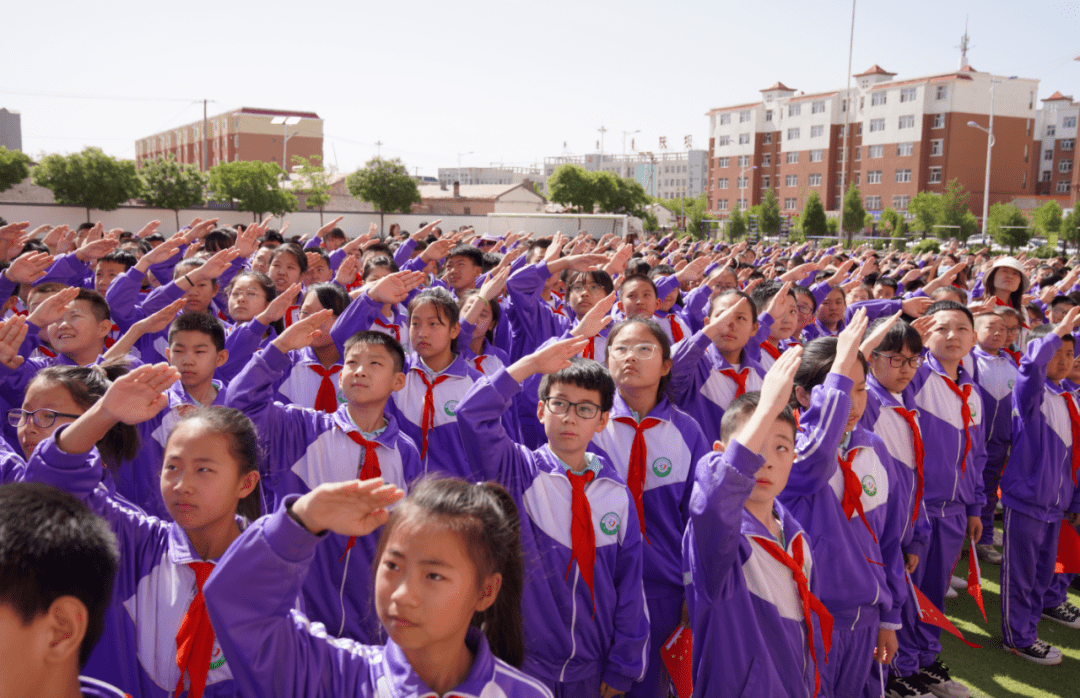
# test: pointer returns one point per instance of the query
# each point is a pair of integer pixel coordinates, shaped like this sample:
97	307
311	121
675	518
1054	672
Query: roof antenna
965	44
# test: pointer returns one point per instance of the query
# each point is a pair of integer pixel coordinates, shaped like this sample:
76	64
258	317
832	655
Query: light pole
286	122
602	131
742	184
652	172
989	144
459	164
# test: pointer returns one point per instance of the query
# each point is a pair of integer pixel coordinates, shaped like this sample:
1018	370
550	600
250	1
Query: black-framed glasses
585	410
643	352
899	361
804	310
43	418
591	288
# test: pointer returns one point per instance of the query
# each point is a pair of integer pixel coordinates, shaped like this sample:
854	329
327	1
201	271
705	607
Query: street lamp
286	122
459	164
652	171
989	144
742	183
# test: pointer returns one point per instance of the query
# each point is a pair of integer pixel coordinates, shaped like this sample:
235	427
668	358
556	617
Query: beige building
480	199
242	134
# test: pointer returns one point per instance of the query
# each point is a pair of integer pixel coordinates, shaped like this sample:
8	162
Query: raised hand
276	309
438	249
28	268
493	287
1068	323
419	235
596	319
692	271
915	307
159	254
714	328
53	308
799	273
346	271
781	297
247	242
95	249
216	265
139	395
302	332
199	229
554	250
848	341
321	232
871	342
13	231
12	333
148	229
354	508
548	359
395	288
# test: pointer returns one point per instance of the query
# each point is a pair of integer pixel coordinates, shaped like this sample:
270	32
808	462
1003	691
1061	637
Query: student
449	559
886	288
995	374
57	566
464	265
951	418
1014	326
158	640
480	315
1006	283
749	565
839	488
654	447
111	266
311	382
307	448
712	368
1038	488
74	323
638	297
776	325
392	318
587	628
288	265
670	314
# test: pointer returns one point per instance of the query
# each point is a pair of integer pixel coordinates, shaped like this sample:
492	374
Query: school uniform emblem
869	485
610	523
661	467
1012	384
217	659
449	408
974	410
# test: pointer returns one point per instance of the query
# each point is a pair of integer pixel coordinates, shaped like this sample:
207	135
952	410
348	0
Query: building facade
663	175
1055	148
241	134
10	129
906	136
489	175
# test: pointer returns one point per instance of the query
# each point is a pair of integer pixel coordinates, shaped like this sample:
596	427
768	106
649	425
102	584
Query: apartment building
665	175
905	136
241	134
1055	147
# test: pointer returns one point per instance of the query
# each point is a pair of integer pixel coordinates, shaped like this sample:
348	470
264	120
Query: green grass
990	672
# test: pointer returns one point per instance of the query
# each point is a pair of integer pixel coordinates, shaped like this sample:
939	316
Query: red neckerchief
396	329
676	330
369	469
635	473
428	418
772	351
909	416
582	535
852	499
962	392
195	639
326	398
1074	423
739	377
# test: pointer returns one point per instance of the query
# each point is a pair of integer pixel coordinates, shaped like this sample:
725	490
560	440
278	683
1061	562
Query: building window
907	94
1045	176
1048	154
939	121
765	181
791	181
768	139
878	98
814	180
792	157
907	121
721	183
858	152
790	204
744	138
744	116
858	178
937	147
1067	143
794	109
839	154
724	140
1063	187
873	203
942	91
744	160
743	182
818	108
839	201
877	125
935	175
875	151
1068	122
792	134
1051	130
725	119
816	155
1065	166
873	177
766	160
841	131
900	202
721	205
843	105
903	176
742	204
768	114
723	162
905	149
817	131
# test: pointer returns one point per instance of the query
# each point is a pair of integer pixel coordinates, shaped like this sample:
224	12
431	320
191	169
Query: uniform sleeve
822	428
404	252
689	368
161	297
626	660
66	269
357	317
892	557
875	308
123	298
489	448
1027	397
272	650
242	344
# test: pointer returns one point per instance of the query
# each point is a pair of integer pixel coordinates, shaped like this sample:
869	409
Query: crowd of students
457	464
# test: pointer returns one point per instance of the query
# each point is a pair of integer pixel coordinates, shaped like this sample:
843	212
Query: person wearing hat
1007	282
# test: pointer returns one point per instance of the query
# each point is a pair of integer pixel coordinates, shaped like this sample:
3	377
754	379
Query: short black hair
899	337
585	374
120	257
763	292
1061	300
335	234
472	253
52	545
742	408
199	322
382	339
941	306
376	262
331	296
598	276
887	281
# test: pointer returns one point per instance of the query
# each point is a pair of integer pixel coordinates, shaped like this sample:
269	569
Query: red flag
1068	552
974	573
928	613
677	654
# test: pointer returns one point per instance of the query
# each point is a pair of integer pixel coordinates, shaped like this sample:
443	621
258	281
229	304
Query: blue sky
507	81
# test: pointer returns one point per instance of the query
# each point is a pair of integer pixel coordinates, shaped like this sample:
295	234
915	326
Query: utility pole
602	131
378	151
204	137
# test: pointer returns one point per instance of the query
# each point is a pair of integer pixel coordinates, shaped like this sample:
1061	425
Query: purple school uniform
698	385
306	448
569	637
745	610
532	321
1037	489
281	653
92	688
996	377
673	447
153	589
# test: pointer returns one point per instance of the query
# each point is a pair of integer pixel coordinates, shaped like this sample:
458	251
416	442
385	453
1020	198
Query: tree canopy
255	186
1002	226
169	184
814	222
314	183
14	167
386	185
90	179
853	217
577	188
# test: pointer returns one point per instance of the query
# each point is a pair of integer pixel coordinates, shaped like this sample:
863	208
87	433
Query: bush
927	245
1044	252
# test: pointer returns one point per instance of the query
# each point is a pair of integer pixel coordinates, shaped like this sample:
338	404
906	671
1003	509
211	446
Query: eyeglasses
43	418
899	361
805	310
1013	330
643	352
591	288
585	410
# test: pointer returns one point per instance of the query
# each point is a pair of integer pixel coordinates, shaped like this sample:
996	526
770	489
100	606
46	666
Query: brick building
241	134
1055	148
906	136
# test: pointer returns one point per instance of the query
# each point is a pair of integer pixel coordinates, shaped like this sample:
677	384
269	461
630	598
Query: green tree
614	194
314	183
169	184
649	222
14	167
814	222
386	185
1047	219
891	224
833	227
769	217
253	185
925	208
853	217
571	185
90	179
1002	225
738	225
1070	228
954	217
